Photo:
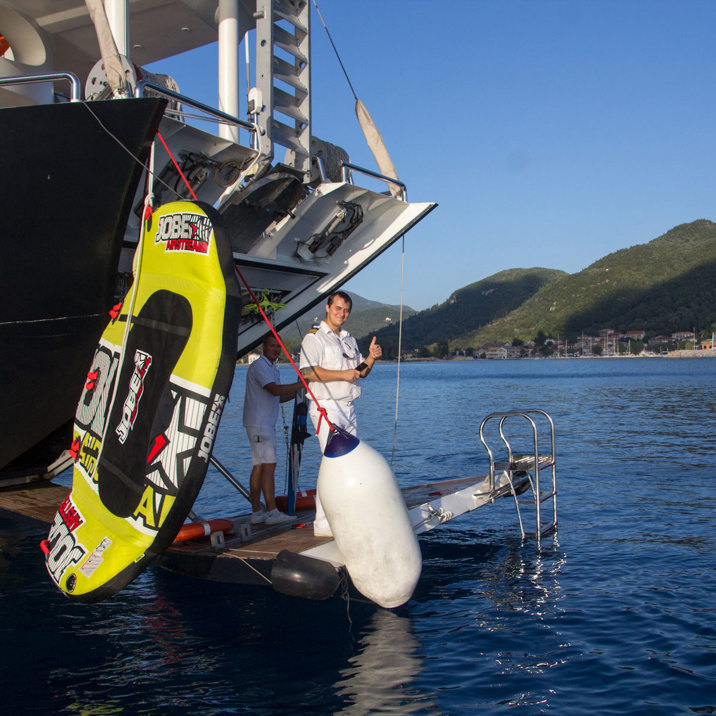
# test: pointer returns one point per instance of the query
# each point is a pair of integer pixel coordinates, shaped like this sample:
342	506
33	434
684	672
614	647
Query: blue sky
550	132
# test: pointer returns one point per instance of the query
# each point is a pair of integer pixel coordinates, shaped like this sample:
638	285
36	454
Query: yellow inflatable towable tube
146	422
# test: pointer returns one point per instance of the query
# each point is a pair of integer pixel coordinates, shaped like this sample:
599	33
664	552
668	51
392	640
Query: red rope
321	409
181	173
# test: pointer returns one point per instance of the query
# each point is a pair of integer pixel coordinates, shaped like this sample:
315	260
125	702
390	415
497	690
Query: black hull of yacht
68	183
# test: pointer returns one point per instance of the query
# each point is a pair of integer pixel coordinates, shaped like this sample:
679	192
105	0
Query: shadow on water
171	643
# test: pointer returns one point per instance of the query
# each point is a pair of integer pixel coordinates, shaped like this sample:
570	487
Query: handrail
524	413
144	84
539	497
346	178
76	94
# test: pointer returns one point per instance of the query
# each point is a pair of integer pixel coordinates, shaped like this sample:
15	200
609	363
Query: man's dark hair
343	295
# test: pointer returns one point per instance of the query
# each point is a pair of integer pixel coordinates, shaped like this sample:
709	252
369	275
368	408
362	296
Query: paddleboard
147	419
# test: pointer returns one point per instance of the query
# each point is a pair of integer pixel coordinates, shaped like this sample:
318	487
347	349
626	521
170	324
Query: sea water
615	614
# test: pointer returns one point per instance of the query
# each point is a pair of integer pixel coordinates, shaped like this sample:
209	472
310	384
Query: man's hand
375	351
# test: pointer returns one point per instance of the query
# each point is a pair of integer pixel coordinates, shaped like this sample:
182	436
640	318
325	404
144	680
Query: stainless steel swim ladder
523	471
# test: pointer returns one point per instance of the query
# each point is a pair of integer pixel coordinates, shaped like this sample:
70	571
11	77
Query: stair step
284	11
288	104
288	43
287	137
285	72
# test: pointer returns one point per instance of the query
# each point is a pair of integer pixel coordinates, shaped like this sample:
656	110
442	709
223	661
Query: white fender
369	520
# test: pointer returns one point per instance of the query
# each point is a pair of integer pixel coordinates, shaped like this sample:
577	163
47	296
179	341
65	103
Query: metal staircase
523	471
282	102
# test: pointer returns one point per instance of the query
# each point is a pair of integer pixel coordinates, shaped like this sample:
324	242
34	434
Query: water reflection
379	676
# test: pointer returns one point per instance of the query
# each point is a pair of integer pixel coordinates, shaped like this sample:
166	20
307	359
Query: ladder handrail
347	167
526	414
516	413
76	93
170	94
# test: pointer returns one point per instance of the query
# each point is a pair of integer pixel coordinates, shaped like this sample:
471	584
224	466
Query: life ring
195	530
304	501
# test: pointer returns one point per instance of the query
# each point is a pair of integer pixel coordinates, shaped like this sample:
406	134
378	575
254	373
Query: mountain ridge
661	286
664	285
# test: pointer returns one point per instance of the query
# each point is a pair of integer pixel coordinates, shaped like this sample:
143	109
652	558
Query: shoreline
711	353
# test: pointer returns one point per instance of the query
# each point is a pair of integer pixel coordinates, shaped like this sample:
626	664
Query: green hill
467	309
665	285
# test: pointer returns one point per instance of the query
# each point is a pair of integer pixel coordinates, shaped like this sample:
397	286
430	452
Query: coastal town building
608	343
494	351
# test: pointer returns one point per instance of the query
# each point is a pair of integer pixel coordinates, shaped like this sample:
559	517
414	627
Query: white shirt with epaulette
324	349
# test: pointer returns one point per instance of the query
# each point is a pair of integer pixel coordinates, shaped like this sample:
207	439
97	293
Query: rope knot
323	414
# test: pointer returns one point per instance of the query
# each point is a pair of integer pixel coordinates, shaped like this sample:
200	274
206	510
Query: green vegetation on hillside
467	309
666	285
660	287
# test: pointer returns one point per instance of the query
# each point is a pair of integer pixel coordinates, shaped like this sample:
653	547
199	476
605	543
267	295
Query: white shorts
263	445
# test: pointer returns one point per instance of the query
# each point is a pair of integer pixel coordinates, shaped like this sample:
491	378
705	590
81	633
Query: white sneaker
322	529
276	517
259	516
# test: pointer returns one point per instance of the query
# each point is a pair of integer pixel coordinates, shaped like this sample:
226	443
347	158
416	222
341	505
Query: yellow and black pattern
147	418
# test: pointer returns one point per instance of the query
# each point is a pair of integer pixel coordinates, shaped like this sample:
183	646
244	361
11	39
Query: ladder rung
287	137
545	528
527	462
287	104
285	14
544	496
288	73
288	43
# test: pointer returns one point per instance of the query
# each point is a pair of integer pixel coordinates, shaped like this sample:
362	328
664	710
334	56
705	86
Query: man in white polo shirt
264	392
331	361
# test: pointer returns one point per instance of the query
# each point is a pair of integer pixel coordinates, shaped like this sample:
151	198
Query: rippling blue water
616	614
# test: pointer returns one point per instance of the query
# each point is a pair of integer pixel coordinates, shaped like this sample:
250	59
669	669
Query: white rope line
49	320
400	349
136	268
136	159
263	576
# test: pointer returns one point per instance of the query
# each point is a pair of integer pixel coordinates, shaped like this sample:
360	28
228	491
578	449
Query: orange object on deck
304	501
195	530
